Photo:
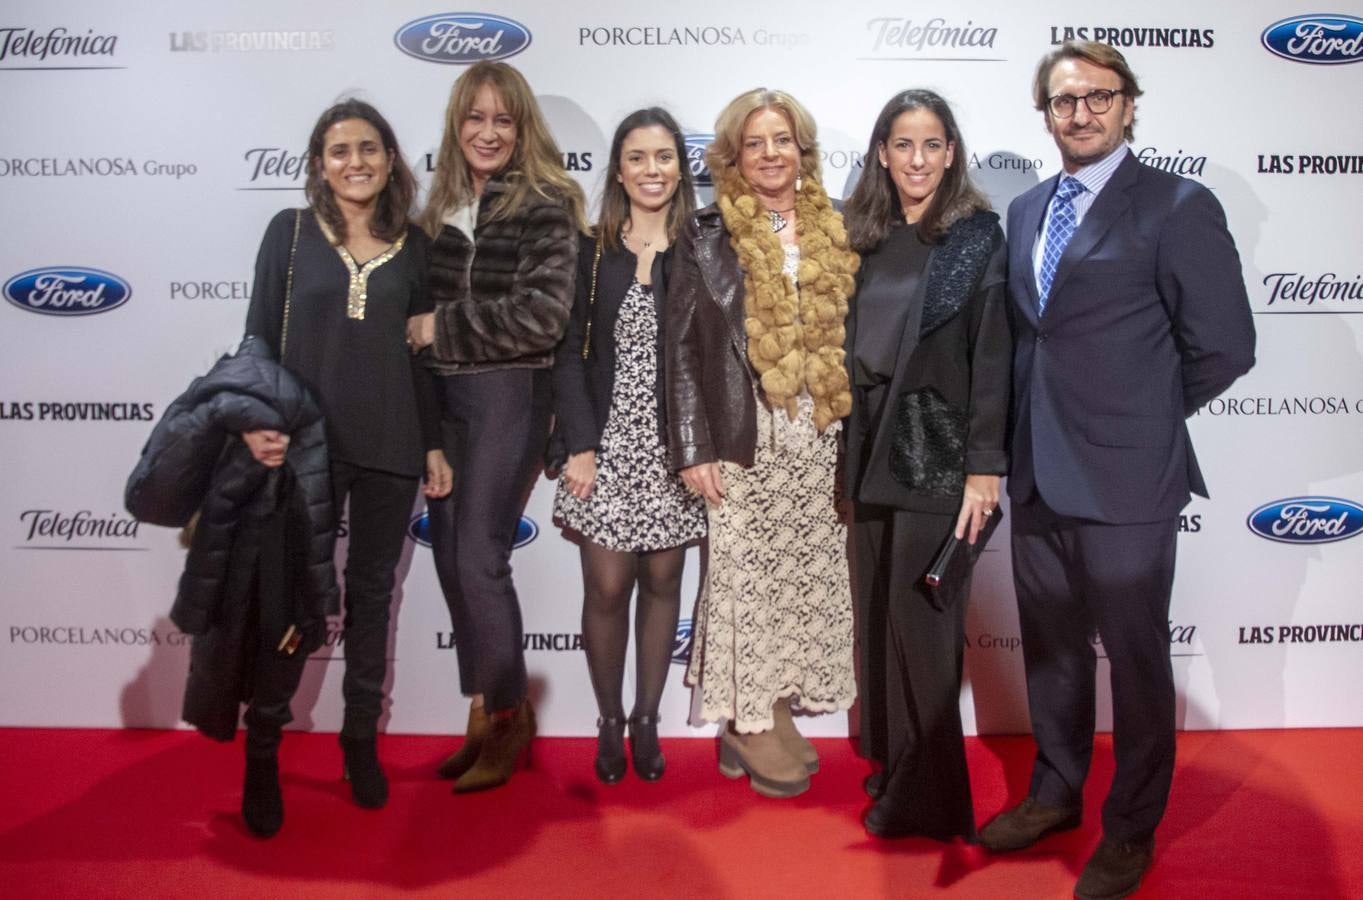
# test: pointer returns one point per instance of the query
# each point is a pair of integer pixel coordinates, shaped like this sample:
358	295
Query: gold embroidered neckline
358	294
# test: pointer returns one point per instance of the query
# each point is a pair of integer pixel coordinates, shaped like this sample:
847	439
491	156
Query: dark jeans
911	659
380	507
1075	577
496	425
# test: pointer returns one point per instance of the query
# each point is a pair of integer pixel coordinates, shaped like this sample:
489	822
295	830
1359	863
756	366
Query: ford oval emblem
419	529
526	531
67	291
696	145
458	39
1307	520
1323	40
681	644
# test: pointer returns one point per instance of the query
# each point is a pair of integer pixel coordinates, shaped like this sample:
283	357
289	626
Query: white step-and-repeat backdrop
146	145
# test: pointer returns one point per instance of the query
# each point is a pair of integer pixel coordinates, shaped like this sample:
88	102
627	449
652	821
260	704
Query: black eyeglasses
1098	102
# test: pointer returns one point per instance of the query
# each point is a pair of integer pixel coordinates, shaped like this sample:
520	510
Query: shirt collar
1095	175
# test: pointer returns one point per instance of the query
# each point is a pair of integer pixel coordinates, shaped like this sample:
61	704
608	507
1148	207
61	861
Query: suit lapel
1029	228
1111	204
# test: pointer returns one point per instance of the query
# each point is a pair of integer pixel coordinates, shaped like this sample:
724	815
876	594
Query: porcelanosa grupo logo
1322	40
419	530
459	39
1307	520
696	145
681	644
67	291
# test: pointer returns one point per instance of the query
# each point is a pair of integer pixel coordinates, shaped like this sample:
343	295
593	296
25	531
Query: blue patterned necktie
1058	235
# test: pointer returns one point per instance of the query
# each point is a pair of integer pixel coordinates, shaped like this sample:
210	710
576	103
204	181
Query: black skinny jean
380	507
496	425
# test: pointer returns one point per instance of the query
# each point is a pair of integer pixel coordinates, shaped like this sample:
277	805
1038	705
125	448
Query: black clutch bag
955	559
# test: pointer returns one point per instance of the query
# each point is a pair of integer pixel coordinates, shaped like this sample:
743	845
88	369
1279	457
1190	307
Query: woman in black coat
928	351
631	516
335	284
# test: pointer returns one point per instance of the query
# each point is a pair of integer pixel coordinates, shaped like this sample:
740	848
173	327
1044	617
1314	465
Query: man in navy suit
1129	313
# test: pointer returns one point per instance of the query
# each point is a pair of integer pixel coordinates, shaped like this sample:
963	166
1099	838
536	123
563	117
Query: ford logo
696	145
1323	40
67	291
526	531
419	530
681	644
1307	520
458	39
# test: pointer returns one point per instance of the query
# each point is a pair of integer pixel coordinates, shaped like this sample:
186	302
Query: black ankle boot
262	803
643	747
610	749
368	785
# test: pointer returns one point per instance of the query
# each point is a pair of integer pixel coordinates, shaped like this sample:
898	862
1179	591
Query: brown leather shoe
772	772
1115	869
1025	824
791	739
463	759
508	735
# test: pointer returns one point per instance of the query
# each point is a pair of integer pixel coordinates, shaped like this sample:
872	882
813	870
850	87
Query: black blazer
1147	320
945	413
582	387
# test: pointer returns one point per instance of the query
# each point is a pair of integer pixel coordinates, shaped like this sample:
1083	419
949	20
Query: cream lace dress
775	614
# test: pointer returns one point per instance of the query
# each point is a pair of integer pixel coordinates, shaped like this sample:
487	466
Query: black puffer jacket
503	300
195	461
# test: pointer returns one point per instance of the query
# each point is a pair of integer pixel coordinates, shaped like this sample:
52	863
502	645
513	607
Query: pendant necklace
777	220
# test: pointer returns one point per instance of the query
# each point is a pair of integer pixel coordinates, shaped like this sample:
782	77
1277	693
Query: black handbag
954	561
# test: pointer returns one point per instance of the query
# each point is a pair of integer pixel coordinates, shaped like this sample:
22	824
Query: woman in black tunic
335	284
929	354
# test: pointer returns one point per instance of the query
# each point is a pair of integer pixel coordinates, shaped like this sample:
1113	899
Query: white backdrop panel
159	157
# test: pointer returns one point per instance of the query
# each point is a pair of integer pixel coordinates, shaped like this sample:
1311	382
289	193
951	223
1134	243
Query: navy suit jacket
1146	321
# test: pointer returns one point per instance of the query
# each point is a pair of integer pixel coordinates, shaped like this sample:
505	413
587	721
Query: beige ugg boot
772	772
791	739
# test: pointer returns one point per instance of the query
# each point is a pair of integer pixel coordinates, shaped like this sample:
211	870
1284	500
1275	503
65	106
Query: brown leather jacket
711	408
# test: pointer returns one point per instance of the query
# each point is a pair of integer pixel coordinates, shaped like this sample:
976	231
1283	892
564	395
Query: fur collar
795	338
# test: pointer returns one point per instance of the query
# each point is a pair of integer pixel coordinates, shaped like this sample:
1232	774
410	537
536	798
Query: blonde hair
727	146
535	167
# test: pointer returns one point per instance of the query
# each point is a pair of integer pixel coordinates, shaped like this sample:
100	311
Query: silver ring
988	512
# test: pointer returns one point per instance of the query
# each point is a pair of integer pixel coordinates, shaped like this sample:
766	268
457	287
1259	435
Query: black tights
608	579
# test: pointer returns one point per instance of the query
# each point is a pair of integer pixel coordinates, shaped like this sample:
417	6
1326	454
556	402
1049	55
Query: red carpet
154	814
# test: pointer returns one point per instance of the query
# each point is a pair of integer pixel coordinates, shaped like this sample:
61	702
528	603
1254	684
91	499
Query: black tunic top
380	406
889	279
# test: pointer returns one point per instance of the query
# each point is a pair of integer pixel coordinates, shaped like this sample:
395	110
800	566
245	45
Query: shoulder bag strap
288	284
591	303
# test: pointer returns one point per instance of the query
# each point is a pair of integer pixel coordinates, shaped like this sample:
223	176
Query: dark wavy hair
392	211
614	199
874	205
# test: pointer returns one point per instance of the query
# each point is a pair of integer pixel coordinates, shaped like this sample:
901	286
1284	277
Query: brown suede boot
463	759
772	772
508	734
791	739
